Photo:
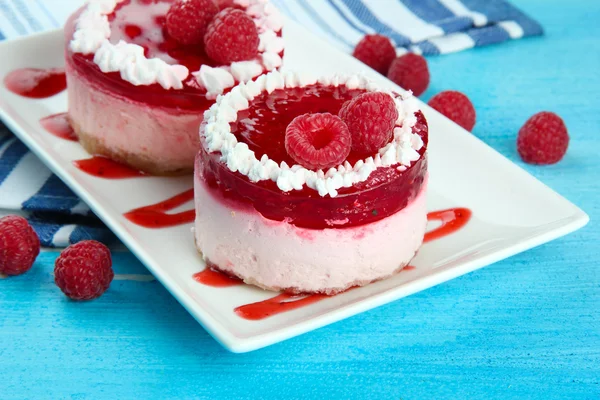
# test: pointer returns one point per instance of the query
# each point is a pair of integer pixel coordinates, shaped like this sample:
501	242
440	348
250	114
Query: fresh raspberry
371	118
19	245
410	72
543	139
83	271
223	4
376	51
231	36
318	141
455	106
187	20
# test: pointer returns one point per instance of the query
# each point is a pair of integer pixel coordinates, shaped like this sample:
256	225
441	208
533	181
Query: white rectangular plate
512	211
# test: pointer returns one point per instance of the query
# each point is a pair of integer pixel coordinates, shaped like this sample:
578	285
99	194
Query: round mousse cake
140	73
311	185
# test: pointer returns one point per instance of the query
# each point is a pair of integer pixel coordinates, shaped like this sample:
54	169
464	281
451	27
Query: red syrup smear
452	220
36	83
106	168
59	126
276	305
155	215
211	277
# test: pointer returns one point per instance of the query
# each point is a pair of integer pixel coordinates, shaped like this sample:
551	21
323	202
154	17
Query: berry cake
311	185
140	73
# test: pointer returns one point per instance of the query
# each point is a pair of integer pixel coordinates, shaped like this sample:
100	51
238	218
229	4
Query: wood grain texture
524	328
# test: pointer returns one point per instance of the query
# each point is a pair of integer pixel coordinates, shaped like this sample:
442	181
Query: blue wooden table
524	328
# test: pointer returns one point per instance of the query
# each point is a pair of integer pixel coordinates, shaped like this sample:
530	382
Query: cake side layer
280	256
157	140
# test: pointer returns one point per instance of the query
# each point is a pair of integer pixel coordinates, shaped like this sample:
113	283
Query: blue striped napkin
428	27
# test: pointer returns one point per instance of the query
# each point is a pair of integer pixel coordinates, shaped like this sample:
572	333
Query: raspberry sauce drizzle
276	305
106	168
211	277
452	220
36	83
59	126
155	215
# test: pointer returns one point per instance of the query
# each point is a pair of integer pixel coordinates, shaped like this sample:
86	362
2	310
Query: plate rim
576	220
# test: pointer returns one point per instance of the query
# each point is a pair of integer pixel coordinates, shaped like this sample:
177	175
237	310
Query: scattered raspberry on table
376	51
83	271
543	139
455	106
410	71
19	245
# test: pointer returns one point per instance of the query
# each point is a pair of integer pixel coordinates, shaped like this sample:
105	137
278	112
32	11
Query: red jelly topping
142	22
262	127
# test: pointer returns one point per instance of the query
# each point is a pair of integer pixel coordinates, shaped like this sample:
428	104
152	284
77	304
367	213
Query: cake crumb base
96	147
297	291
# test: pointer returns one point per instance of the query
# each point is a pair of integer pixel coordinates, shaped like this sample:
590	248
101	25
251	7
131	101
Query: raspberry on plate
83	271
371	118
543	139
231	36
187	20
376	51
410	71
19	245
318	141
456	106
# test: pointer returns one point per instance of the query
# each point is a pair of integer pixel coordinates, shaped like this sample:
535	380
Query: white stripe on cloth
460	10
394	14
335	20
351	17
24	181
300	15
6	145
80	208
513	29
453	42
61	237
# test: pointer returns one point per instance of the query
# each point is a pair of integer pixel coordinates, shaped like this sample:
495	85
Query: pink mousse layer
280	256
163	137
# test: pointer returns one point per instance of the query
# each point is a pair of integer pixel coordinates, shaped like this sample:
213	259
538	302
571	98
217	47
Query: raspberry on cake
290	194
141	73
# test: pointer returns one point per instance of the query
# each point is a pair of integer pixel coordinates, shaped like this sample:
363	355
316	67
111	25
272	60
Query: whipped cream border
401	151
92	33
